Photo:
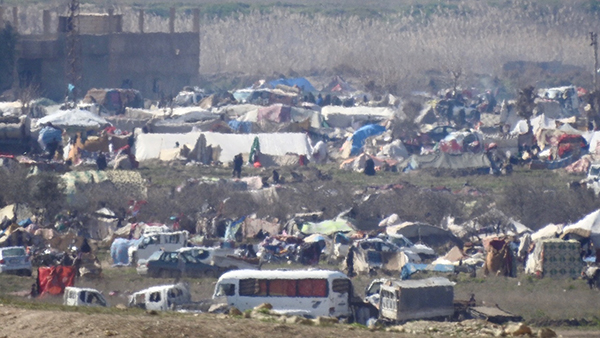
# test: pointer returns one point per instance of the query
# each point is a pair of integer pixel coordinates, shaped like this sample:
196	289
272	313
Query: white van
83	297
152	242
161	298
310	293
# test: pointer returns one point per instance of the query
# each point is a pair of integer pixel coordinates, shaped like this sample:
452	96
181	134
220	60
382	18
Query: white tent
538	122
587	227
150	146
74	118
342	117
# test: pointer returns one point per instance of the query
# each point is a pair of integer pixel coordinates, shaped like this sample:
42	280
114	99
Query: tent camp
226	146
76	119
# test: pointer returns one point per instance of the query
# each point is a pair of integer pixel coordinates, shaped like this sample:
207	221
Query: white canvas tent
74	118
587	227
150	146
343	117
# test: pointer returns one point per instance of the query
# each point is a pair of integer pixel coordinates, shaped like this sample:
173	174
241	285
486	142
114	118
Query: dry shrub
396	49
536	205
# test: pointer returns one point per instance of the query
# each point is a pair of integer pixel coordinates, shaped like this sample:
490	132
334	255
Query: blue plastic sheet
359	137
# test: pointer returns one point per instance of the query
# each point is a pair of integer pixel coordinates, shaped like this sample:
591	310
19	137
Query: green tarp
326	227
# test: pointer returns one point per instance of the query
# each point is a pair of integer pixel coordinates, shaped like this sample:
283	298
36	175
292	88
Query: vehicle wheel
164	274
210	273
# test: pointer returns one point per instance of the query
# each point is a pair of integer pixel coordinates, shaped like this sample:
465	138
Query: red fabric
53	280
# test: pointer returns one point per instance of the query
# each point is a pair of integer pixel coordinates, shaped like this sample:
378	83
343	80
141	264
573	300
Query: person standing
238	161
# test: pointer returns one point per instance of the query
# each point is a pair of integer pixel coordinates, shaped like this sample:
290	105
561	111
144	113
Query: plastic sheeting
149	146
118	250
326	227
74	118
301	82
359	136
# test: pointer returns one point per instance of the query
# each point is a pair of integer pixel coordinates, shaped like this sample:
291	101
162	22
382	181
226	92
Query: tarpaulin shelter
422	232
300	82
74	119
359	136
252	226
118	250
555	258
344	117
449	161
53	280
115	99
326	227
499	260
225	146
587	227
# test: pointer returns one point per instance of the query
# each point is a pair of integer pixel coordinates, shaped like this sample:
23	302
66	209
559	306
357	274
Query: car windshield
13	252
155	255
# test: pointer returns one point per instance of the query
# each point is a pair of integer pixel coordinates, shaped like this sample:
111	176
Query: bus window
341	285
312	288
253	287
282	287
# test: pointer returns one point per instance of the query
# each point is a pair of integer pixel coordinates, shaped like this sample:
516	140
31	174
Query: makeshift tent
326	227
149	146
587	227
276	113
365	261
344	117
103	224
422	232
118	251
53	280
448	161
253	226
555	258
359	136
74	119
499	260
300	82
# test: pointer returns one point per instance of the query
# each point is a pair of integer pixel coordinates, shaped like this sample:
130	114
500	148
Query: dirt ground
20	322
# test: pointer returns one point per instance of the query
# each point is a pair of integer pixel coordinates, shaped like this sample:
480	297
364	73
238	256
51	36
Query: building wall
157	64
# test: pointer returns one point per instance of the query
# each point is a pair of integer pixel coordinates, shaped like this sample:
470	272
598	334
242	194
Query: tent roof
74	118
149	146
587	227
326	227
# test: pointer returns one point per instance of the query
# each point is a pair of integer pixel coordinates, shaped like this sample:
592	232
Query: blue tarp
233	228
49	134
241	126
118	250
301	82
358	139
410	268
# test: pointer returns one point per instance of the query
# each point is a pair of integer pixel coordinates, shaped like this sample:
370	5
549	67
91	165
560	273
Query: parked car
83	297
14	259
171	264
152	241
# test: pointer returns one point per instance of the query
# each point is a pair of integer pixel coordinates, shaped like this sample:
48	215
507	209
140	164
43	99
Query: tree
48	194
526	104
8	56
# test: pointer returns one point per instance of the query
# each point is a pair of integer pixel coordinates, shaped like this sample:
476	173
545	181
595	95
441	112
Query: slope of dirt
19	322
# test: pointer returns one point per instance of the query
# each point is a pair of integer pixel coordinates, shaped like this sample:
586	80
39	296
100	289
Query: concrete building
156	64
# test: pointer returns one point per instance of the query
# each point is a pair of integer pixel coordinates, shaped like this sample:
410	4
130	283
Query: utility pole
594	37
73	51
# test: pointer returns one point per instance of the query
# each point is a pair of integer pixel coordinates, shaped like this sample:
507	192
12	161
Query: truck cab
154	241
83	297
